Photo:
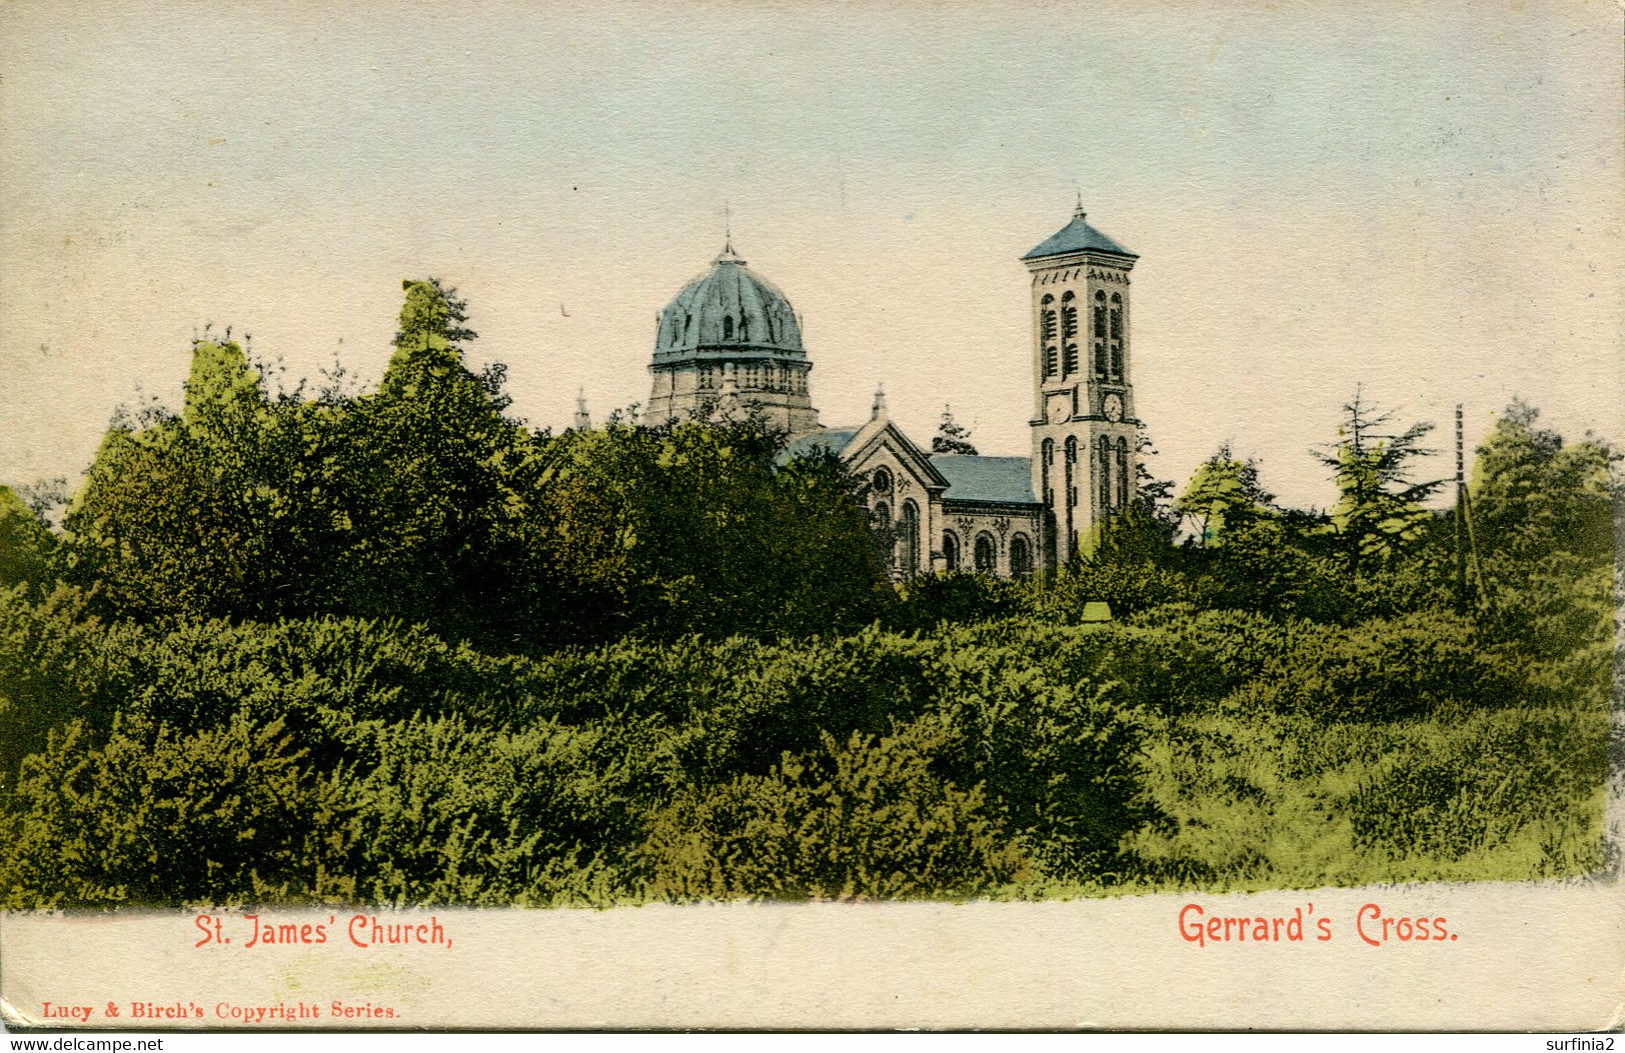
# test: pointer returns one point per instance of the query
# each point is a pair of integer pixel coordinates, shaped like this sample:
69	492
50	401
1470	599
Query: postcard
865	516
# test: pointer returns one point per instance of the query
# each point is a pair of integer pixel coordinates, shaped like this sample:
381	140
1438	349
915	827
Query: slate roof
1077	236
835	440
762	317
996	480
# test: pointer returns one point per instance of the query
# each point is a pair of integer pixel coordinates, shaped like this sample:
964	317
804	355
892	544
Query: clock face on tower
1060	406
1112	407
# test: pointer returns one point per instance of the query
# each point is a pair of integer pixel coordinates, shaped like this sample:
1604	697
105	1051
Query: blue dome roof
728	309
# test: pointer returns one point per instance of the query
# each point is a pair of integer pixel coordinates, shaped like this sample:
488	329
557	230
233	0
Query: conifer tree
1379	508
951	436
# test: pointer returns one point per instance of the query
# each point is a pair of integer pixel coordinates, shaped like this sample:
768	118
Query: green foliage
1488	784
1534	494
424	772
867	818
1385	669
1224	493
430	489
1054	744
1153	498
1124	575
424	502
1244	802
689	528
53	669
448	813
396	648
428	345
1544	513
155	815
1379	507
954	596
179	517
27	547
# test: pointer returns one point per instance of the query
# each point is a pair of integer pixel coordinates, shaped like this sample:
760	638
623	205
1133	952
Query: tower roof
1077	236
730	308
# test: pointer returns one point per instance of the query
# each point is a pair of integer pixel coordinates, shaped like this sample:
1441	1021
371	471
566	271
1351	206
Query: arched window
1046	460
744	327
883	533
1071	472
1046	329
688	326
1117	336
987	554
1069	333
1100	332
1021	556
727	327
1122	472
908	524
1103	459
950	550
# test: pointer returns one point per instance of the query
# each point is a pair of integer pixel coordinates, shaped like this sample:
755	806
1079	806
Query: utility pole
1461	518
1464	532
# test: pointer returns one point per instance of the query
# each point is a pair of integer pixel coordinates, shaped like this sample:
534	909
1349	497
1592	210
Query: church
730	341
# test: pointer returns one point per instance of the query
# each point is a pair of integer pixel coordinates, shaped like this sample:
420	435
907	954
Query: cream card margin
1529	957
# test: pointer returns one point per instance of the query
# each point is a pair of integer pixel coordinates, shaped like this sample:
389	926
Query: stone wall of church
778	389
1007	542
900	501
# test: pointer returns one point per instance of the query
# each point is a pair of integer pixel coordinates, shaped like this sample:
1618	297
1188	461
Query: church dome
728	309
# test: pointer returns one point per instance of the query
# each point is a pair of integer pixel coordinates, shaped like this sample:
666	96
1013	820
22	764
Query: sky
1421	201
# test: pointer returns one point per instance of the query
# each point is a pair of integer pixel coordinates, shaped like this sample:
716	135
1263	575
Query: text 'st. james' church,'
730	340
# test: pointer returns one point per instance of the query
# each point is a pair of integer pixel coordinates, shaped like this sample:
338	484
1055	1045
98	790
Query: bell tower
1083	428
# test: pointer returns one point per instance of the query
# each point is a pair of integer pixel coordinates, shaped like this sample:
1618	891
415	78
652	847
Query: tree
1532	493
430	485
1153	497
1543	513
689	527
1379	507
1224	492
178	513
428	344
410	502
27	547
951	436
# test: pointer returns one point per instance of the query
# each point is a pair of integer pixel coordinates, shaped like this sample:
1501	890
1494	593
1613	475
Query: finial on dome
1078	212
878	411
583	421
728	253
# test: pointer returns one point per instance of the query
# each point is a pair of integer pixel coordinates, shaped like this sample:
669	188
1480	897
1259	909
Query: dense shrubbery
333	760
397	648
379	762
